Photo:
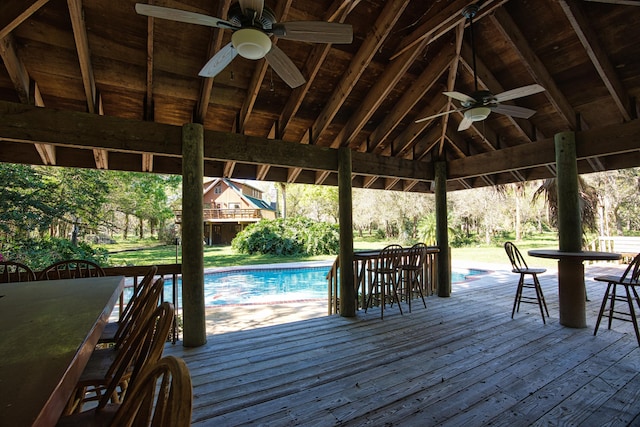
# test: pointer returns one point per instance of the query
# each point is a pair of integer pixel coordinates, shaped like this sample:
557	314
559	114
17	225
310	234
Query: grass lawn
148	252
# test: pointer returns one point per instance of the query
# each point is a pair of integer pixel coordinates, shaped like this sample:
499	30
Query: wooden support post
195	333
442	230
347	289
571	290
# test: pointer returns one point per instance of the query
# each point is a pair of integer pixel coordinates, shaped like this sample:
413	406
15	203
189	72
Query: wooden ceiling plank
598	56
419	88
338	12
621	2
378	93
206	83
443	22
532	63
488	81
13	13
373	41
414	130
281	11
148	99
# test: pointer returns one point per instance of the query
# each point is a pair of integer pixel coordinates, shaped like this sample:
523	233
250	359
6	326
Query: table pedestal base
571	293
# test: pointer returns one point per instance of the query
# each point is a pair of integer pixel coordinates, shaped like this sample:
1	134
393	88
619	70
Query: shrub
290	236
39	253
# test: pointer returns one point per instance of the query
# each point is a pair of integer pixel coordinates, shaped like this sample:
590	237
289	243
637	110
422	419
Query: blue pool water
272	285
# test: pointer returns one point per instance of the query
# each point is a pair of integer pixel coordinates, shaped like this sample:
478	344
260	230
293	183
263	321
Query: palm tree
588	202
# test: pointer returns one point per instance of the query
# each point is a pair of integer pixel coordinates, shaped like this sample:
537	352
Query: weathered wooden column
571	293
442	230
194	333
345	210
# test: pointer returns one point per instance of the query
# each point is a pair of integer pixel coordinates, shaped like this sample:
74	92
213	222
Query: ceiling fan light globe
251	43
477	114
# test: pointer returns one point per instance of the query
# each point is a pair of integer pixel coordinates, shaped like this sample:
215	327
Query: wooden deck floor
462	361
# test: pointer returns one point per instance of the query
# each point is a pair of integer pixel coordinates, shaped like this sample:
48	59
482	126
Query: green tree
26	205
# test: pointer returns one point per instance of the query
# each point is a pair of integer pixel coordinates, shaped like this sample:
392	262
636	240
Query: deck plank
463	360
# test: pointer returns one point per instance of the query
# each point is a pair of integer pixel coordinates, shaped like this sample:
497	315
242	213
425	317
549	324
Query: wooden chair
386	271
162	396
519	266
12	271
114	330
109	371
71	269
629	281
412	268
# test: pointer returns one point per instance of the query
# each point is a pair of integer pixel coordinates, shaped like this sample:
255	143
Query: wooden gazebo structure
93	84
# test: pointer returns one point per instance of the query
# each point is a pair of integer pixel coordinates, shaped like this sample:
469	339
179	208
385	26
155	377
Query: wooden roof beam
94	103
206	83
427	79
512	34
385	83
598	56
13	13
373	41
451	83
28	91
446	20
487	81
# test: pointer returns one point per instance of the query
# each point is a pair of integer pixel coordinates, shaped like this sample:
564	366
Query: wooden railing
628	246
213	214
362	266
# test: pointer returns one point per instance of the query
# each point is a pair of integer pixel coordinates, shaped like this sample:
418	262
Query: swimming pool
261	285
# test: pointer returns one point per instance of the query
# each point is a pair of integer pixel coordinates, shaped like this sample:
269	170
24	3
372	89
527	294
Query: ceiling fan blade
519	92
314	31
255	5
460	96
182	16
465	123
444	113
219	61
284	67
514	111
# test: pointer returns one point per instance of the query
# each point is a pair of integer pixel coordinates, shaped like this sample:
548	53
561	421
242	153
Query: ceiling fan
481	103
253	24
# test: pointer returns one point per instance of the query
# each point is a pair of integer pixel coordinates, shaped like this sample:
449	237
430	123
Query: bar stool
385	272
412	275
519	265
628	280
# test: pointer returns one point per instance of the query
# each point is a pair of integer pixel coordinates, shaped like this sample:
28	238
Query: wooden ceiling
116	88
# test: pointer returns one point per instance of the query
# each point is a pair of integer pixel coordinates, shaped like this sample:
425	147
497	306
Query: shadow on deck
462	360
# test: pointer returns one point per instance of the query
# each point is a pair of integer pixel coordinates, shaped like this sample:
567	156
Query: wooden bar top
48	331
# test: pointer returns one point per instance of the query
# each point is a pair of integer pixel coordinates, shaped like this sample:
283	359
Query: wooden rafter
598	56
451	83
380	30
13	13
540	74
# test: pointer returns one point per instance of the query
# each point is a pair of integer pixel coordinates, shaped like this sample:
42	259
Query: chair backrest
12	271
142	308
71	269
517	261
139	292
144	347
416	255
161	397
390	258
632	272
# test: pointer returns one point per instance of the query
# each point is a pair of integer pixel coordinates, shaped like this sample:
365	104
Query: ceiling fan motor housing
251	41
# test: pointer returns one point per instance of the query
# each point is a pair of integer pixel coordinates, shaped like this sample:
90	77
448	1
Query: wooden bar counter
48	331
